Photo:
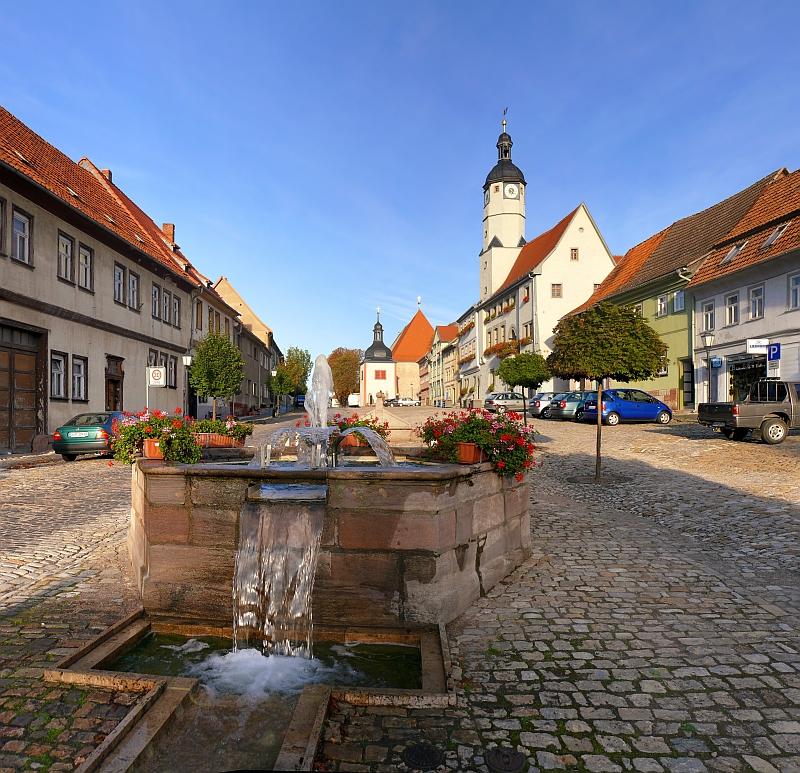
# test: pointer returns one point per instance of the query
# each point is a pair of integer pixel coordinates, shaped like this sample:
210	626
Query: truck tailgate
715	413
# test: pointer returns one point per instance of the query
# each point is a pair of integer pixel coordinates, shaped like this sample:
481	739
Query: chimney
107	174
169	231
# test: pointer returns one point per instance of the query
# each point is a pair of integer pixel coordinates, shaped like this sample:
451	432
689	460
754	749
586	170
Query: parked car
353	400
389	402
539	401
504	401
545	410
299	401
86	433
406	401
627	405
768	412
570	405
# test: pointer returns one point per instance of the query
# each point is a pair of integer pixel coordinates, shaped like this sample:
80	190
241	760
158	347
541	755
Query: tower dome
504	170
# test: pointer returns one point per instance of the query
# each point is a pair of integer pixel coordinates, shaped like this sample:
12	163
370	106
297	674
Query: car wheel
664	417
612	419
773	431
69	457
545	413
579	414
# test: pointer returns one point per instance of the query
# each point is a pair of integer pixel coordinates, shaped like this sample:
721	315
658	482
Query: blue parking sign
773	352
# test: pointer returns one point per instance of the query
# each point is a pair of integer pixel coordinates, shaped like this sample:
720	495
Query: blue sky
329	157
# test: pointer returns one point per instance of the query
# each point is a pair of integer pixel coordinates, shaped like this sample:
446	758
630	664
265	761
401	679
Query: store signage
757	345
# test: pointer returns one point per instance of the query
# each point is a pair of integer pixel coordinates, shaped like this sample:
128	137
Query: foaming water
250	674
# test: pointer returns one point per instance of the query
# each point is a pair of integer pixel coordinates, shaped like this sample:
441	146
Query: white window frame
707	316
176	311
557	293
85	267
573	254
756	294
172	371
794	292
731	309
21	240
166	305
155	301
678	300
58	378
80	369
133	290
662	305
119	286
65	257
775	235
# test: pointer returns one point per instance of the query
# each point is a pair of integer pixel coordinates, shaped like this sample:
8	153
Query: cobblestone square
654	628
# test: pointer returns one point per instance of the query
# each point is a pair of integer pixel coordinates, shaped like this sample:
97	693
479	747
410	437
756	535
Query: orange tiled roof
778	204
536	250
414	340
83	187
626	268
447	333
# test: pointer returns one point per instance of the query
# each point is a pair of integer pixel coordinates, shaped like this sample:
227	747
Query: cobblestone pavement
654	628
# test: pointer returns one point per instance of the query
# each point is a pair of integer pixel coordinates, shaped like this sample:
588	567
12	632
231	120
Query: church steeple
378	351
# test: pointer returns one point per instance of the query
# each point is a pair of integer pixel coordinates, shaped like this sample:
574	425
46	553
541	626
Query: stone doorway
21	388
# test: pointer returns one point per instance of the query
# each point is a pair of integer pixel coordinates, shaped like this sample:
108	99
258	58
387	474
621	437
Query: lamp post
708	339
187	363
274	373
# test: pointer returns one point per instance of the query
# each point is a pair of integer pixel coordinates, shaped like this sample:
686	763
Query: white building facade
377	373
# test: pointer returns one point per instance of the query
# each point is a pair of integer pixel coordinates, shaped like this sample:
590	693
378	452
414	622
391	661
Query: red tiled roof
84	188
447	332
536	250
414	339
626	268
778	204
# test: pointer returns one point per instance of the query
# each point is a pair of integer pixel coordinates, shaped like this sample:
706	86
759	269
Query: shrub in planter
504	439
347	422
236	431
174	434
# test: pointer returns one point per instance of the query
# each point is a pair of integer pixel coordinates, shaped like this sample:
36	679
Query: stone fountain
393	544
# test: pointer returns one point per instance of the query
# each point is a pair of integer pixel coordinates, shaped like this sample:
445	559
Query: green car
86	433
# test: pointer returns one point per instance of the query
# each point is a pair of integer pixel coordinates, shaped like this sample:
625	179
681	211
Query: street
655	627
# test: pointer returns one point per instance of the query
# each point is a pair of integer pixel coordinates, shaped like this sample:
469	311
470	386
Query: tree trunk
525	404
213	407
599	428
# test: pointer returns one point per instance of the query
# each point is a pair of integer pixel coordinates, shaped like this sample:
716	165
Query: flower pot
151	449
352	441
216	440
469	453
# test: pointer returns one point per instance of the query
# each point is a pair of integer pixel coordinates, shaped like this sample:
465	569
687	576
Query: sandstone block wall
397	547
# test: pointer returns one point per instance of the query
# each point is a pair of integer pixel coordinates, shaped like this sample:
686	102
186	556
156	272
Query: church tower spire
503	216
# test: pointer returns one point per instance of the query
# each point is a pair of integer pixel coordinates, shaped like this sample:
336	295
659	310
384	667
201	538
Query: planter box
151	449
216	440
469	453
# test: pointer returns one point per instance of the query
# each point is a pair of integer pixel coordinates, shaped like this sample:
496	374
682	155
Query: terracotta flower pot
216	440
469	453
151	449
352	441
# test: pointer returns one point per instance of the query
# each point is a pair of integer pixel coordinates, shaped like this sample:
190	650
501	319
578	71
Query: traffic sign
757	345
157	376
774	352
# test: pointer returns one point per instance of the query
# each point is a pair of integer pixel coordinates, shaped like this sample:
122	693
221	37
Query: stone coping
425	472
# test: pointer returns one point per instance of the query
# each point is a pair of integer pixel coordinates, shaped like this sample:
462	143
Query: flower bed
505	440
175	436
221	433
502	350
348	422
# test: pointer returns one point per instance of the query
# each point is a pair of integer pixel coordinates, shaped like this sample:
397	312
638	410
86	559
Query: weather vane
419	301
379	313
505	112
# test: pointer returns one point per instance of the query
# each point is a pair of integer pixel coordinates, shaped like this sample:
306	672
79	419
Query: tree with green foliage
298	365
344	366
605	341
526	370
282	383
217	369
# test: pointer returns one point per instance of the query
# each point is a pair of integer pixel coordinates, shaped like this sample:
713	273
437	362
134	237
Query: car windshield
88	419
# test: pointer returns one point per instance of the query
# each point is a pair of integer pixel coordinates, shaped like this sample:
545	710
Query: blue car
628	405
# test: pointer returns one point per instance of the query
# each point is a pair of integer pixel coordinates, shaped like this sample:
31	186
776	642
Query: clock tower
503	218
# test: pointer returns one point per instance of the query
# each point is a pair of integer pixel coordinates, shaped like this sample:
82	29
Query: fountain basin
399	545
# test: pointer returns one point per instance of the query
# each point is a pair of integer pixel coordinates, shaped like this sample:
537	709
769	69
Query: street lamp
708	339
274	373
187	363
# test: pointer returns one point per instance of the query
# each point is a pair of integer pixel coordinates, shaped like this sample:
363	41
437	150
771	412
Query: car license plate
79	434
718	424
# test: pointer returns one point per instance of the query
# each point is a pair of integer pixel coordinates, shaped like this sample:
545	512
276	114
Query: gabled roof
536	251
447	333
414	339
89	191
778	205
689	239
250	320
626	268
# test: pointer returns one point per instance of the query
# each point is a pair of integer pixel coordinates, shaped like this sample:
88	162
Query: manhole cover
503	760
422	756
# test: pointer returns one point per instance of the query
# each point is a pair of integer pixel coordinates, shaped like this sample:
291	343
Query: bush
174	433
346	422
229	426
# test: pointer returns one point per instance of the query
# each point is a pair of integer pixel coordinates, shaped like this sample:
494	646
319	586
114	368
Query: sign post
156	377
774	360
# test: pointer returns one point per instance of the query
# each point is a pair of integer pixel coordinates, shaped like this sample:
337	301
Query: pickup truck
769	411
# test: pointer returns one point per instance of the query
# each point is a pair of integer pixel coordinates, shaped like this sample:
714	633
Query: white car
406	401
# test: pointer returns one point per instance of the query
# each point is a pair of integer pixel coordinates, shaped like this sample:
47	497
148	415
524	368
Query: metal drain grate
503	760
422	756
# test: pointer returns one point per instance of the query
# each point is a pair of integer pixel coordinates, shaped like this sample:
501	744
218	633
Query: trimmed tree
217	369
525	370
344	366
605	341
282	383
298	365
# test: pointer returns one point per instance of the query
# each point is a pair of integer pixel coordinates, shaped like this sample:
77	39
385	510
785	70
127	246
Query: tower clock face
511	192
485	197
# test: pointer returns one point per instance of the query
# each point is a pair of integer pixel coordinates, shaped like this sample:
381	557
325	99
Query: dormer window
733	252
775	235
